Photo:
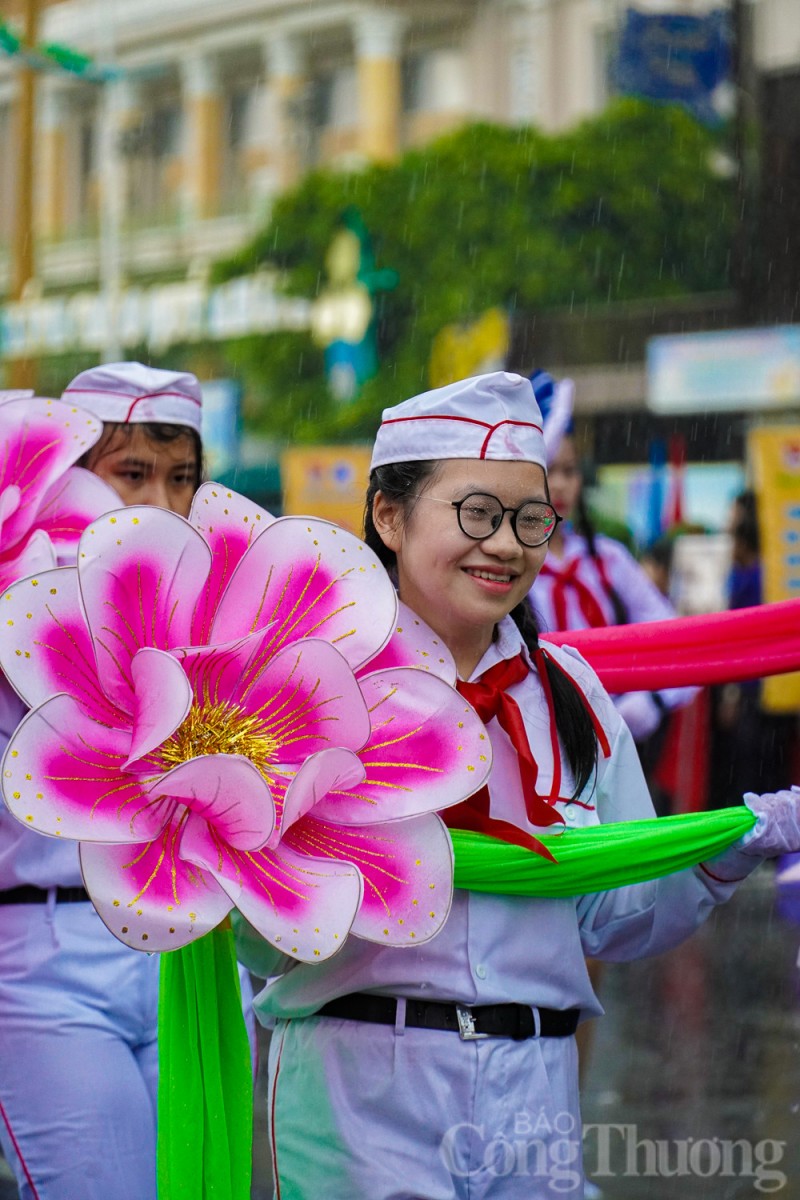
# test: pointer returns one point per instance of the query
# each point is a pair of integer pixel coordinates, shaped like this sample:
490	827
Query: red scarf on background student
564	579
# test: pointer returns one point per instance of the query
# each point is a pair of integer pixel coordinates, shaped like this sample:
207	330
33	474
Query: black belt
26	893
517	1021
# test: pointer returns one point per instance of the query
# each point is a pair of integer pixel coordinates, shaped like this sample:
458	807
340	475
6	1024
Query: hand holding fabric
777	830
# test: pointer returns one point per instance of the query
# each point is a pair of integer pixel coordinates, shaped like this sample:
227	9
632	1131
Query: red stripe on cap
159	396
136	399
494	428
434	417
491	429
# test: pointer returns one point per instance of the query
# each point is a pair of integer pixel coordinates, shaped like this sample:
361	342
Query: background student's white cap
488	416
130	392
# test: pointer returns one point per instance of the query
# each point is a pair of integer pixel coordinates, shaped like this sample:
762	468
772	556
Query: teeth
492	578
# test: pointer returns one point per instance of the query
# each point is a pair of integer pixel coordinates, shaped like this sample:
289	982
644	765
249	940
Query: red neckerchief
489	698
565	578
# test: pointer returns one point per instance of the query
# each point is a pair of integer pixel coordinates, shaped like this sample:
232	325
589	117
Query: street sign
731	370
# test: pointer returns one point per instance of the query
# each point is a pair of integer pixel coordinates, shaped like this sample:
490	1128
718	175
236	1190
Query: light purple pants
78	1057
362	1112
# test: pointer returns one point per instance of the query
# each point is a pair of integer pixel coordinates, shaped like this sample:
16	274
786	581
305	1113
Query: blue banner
222	400
672	56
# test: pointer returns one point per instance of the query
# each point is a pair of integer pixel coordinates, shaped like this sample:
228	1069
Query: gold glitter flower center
220	729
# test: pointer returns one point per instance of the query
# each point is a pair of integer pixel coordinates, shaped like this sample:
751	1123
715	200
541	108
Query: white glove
777	830
640	712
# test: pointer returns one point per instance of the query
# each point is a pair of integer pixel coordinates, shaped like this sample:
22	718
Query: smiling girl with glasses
412	1072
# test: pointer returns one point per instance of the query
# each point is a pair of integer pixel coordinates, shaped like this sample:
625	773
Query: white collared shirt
496	948
27	857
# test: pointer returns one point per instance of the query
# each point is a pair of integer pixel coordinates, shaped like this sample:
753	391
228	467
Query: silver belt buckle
466	1025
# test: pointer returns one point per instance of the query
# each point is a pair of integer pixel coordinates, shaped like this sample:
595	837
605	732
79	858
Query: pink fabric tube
725	647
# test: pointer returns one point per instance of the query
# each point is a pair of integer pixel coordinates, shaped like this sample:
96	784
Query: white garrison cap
129	392
488	416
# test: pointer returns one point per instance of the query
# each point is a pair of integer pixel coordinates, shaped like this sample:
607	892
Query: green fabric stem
598	857
205	1084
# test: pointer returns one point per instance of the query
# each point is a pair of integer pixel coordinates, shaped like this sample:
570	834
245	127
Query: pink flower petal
163	699
304	699
226	791
414	644
40	439
8	394
45	645
329	770
69	505
229	523
308	578
62	776
278	785
30	556
10	500
303	906
427	750
407	868
141	570
148	896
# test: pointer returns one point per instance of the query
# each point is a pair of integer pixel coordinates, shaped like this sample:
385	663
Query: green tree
626	205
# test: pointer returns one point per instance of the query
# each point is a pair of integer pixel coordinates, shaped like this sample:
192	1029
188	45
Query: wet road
693	1085
694	1080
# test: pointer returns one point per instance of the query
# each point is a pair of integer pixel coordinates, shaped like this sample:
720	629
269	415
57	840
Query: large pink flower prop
228	711
45	502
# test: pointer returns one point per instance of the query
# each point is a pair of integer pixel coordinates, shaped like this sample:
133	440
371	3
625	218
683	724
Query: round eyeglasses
480	515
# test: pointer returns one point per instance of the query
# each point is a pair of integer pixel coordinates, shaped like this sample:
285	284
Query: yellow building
219	105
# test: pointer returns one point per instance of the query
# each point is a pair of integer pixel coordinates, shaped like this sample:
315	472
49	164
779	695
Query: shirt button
480	971
569	813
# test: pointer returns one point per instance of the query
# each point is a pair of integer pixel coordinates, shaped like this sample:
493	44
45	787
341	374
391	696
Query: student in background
589	580
78	1009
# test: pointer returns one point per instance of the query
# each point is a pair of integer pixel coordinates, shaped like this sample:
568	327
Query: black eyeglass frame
457	504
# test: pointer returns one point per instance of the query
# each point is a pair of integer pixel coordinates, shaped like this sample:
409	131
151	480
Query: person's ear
387	517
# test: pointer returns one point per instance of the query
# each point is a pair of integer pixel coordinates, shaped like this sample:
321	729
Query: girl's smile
462	587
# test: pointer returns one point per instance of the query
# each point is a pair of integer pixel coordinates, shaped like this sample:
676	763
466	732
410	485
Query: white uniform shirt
27	857
637	593
507	948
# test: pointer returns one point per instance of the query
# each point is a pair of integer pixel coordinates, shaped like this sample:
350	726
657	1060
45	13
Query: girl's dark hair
399	481
158	432
585	526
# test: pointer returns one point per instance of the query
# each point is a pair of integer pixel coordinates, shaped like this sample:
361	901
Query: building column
536	74
202	156
118	116
378	37
52	162
286	91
